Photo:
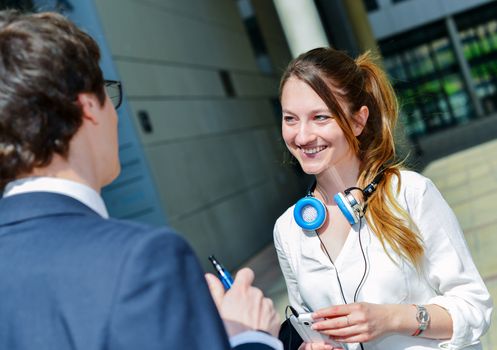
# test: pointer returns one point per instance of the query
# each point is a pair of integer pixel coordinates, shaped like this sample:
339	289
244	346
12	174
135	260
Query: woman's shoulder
413	188
413	181
286	218
285	227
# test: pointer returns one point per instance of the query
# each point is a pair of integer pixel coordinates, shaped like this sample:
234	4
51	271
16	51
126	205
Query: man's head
46	65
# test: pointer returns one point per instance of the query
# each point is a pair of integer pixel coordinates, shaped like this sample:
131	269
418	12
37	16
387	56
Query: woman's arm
404	321
462	307
284	258
450	270
363	322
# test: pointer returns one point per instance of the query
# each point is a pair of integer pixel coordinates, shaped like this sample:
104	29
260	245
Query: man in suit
70	277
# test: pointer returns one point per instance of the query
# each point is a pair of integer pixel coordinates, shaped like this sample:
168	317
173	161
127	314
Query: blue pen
222	273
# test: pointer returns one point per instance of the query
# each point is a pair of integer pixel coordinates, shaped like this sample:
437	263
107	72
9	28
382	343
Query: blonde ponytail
388	220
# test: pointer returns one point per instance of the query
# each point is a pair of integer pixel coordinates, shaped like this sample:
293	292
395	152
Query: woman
394	272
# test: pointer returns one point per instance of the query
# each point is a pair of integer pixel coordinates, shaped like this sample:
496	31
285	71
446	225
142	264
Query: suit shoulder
144	230
134	228
117	234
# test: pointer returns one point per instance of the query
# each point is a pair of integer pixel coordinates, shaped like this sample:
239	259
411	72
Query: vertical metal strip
463	64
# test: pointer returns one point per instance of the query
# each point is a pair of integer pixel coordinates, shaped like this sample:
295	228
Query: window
256	38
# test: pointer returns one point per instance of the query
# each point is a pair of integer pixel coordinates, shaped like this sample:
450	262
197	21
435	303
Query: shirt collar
76	190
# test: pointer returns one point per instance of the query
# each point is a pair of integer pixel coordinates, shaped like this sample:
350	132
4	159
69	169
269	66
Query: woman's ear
89	105
360	120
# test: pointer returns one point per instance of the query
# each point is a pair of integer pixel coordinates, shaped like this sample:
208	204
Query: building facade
441	56
200	138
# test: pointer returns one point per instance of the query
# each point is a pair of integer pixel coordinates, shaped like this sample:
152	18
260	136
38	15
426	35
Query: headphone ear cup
309	213
346	208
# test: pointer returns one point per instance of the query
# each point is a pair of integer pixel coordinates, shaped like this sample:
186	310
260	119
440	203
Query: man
70	277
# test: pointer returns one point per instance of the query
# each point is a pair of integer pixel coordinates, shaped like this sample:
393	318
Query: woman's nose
304	135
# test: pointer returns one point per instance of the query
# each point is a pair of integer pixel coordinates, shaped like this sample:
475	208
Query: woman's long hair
340	81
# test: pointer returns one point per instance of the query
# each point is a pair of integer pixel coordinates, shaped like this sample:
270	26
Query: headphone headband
312	187
310	212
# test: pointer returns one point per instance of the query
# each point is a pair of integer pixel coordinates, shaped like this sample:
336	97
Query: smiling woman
387	264
311	132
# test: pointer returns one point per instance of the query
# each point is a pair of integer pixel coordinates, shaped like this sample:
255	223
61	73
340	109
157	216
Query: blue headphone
310	213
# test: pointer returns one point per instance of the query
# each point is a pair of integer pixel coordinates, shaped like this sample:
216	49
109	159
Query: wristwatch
423	318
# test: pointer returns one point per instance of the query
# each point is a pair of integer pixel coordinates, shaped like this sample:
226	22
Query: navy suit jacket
70	279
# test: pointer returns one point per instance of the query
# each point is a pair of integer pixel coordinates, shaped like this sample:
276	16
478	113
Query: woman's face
310	131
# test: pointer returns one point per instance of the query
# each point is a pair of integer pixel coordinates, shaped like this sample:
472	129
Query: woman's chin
309	170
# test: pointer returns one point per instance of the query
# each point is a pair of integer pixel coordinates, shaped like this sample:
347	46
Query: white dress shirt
448	278
85	194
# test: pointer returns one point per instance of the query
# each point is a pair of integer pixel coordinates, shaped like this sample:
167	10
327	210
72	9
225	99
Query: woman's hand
354	323
317	346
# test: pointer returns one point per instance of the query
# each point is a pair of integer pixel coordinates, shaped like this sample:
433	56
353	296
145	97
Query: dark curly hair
45	62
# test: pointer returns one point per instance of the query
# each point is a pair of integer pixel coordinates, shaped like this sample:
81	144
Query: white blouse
449	277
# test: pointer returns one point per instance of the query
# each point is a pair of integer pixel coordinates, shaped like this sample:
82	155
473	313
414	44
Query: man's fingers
216	288
244	277
270	318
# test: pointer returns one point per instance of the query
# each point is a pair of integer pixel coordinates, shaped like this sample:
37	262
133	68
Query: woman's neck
336	179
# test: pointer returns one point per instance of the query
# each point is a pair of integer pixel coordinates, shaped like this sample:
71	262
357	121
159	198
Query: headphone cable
287	318
365	263
332	263
336	270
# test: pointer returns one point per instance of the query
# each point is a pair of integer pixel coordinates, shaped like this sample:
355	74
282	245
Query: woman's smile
310	151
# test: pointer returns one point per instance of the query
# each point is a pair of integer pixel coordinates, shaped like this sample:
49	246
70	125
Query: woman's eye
322	117
288	119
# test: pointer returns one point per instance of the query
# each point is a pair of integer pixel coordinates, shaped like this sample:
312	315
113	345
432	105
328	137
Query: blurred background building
200	141
199	130
442	58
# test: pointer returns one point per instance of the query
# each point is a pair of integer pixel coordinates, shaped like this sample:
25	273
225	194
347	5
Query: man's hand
243	307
